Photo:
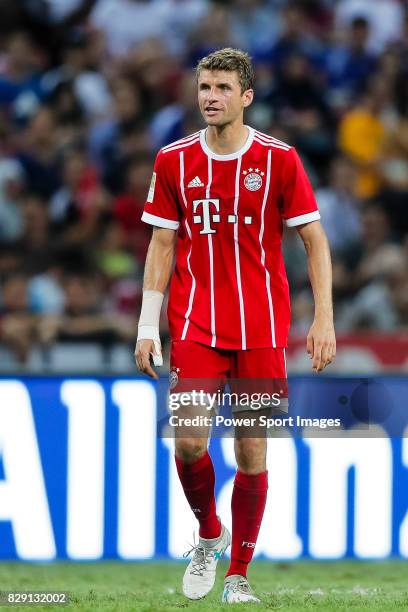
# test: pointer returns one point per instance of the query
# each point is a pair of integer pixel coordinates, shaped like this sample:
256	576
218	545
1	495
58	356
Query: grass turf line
156	587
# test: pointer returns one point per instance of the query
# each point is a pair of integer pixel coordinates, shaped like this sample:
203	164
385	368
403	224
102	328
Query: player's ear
247	97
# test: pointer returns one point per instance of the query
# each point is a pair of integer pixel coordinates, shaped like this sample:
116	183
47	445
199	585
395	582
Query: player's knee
190	449
250	454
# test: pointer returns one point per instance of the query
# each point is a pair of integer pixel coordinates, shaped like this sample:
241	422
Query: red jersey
229	288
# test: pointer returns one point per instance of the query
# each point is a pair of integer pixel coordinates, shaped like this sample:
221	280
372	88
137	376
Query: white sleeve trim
306	218
160	221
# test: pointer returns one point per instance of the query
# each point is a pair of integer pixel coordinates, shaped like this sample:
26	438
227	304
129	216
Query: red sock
197	480
247	505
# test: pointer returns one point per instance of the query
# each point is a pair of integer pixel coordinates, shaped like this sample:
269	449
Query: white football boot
237	590
199	577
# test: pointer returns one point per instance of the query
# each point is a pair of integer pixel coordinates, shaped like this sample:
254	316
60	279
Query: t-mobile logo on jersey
206	217
248	544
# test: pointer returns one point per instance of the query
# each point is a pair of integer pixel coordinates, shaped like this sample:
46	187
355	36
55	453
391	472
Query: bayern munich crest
253	178
173	377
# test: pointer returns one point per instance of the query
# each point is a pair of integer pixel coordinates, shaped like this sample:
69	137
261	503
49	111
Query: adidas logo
196	182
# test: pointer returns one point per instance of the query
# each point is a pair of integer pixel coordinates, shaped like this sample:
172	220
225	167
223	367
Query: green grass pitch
156	587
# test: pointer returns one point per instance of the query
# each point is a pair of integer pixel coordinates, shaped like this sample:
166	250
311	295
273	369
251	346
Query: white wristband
151	306
148	332
148	328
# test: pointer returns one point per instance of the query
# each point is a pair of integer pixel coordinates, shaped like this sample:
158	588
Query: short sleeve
298	203
161	207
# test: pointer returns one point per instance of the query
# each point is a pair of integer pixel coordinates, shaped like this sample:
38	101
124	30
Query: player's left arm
321	339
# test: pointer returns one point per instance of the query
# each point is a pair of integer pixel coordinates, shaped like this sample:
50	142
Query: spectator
38	153
361	135
296	38
350	65
113	140
83	319
78	207
127	23
383	303
386	18
49	21
213	32
112	257
17	323
69	115
182	16
393	162
89	87
20	90
256	25
300	105
10	261
128	207
339	206
156	71
302	312
35	246
364	258
11	187
389	67
181	117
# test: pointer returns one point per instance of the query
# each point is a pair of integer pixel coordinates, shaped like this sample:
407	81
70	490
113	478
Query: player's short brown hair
231	60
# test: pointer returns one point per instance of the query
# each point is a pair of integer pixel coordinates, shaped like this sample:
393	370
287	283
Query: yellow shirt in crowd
360	136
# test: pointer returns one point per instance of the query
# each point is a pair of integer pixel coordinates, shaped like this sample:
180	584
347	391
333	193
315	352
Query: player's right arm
158	269
162	211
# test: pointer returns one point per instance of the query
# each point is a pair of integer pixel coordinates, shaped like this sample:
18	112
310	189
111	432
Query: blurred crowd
91	89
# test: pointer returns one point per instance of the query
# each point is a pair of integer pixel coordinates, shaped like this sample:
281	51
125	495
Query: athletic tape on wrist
148	328
151	307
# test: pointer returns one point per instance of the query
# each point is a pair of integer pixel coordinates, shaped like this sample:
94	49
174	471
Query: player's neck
226	139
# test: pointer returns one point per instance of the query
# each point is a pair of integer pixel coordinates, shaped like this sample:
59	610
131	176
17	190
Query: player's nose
212	95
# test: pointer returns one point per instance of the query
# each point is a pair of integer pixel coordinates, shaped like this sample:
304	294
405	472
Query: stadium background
89	91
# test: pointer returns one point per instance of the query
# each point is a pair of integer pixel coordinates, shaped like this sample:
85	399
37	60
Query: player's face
220	98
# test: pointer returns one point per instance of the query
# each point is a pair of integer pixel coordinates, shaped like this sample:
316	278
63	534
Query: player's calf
247	506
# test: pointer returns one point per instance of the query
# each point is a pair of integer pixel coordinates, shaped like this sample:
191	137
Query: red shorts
194	365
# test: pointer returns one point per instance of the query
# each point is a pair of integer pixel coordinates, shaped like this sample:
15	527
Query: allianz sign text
83	476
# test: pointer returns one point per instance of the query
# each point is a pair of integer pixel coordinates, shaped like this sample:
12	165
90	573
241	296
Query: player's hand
143	350
321	344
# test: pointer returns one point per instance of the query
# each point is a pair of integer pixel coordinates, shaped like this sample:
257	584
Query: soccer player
221	197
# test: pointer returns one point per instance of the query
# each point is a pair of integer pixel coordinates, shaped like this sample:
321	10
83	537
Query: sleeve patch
150	195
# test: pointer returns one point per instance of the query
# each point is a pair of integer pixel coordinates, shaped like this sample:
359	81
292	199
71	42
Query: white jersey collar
230	156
